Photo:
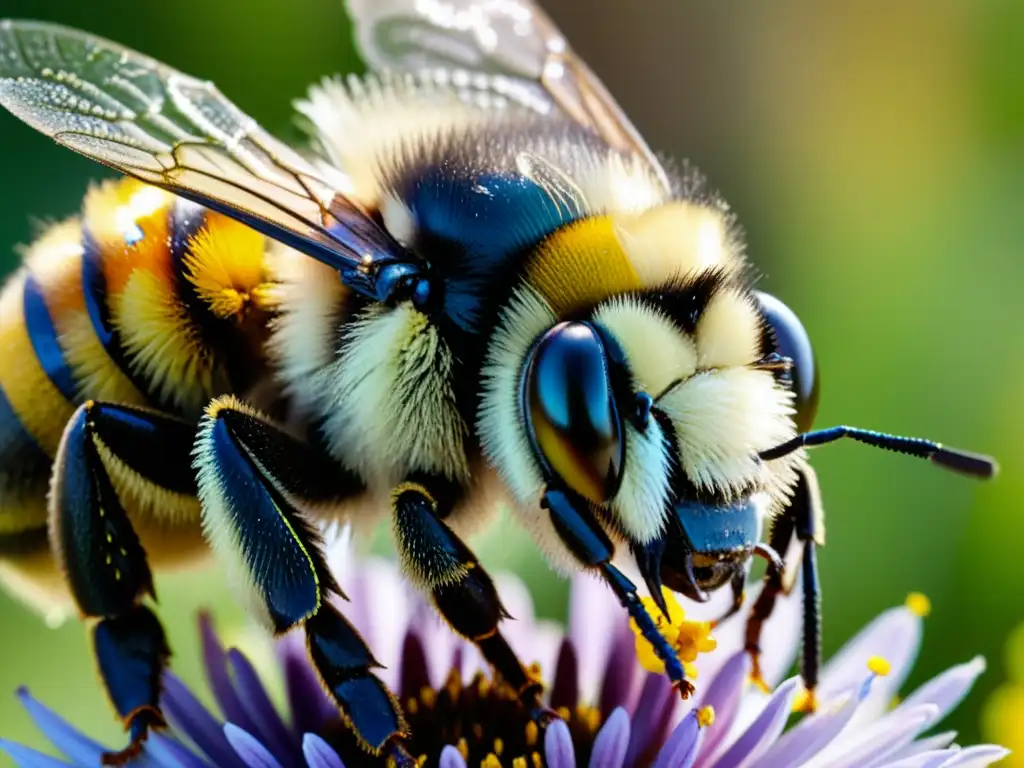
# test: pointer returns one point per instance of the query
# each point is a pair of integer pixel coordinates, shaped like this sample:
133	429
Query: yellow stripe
580	265
38	404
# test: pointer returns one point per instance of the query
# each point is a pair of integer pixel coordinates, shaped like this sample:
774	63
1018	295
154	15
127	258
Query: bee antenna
973	464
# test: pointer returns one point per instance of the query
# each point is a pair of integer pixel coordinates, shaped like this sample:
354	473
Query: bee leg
261	490
802	518
737	586
103	561
585	538
438	561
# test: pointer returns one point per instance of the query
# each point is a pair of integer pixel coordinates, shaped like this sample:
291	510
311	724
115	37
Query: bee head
647	381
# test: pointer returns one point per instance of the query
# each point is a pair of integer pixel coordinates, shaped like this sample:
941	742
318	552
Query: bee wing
171	130
513	42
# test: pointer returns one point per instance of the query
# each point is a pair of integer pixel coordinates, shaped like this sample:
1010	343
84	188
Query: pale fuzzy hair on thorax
362	122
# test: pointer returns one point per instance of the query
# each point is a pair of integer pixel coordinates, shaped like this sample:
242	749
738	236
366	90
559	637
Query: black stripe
94	289
43	335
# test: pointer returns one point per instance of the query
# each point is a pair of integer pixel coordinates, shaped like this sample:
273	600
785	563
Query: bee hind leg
438	561
803	519
111	456
260	490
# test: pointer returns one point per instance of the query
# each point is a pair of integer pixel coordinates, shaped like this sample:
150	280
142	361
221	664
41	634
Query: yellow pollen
519	762
706	716
491	761
805	702
879	666
428	697
919	604
463	748
687	638
499	746
535	758
532	734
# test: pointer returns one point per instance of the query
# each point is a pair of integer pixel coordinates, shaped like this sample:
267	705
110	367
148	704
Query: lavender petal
874	743
193	720
26	757
558	749
812	734
948	689
620	674
932	758
651	719
249	748
565	688
215	663
724	694
763	732
451	758
169	753
318	753
977	756
683	745
930	744
272	730
594	619
611	742
307	702
76	745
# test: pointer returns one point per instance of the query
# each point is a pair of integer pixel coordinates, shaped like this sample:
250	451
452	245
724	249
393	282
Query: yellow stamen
519	762
463	748
532	734
687	638
499	747
805	702
879	665
706	716
491	761
919	604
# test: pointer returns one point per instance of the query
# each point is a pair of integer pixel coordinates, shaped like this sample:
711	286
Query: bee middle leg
261	489
439	562
803	519
113	458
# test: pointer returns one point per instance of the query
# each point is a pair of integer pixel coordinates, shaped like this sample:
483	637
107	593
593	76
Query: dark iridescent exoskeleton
483	289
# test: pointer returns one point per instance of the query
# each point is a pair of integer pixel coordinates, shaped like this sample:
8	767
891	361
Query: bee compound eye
792	341
570	409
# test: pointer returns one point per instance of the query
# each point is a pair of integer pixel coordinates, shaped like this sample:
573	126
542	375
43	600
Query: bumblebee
478	287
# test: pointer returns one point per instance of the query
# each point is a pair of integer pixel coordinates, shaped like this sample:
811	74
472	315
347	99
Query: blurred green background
875	152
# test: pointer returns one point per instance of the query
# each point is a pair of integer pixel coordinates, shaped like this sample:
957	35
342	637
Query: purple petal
763	732
69	740
215	662
565	689
268	724
169	753
651	719
612	741
558	749
813	733
977	756
948	689
307	701
594	620
451	758
248	747
681	748
931	744
932	758
620	674
191	719
894	634
882	738
318	753
724	693
26	757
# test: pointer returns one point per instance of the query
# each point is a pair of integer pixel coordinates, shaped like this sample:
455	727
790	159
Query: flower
614	713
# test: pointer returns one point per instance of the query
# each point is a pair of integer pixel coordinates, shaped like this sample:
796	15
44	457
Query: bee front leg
804	519
111	456
589	543
261	490
438	561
